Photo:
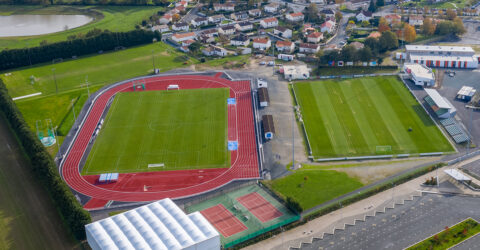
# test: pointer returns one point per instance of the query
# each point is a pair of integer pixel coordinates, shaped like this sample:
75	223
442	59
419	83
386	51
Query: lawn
313	187
336	71
113	18
366	116
185	129
28	217
450	236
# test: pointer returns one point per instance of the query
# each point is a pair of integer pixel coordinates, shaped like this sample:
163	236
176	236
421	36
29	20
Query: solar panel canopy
159	225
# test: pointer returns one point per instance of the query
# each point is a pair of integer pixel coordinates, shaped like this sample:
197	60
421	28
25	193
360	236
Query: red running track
130	188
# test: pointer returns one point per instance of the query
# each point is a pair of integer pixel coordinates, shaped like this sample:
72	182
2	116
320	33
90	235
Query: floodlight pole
73	109
86	82
470	131
55	80
153	61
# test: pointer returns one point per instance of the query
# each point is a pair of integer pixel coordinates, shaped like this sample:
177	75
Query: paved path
378	202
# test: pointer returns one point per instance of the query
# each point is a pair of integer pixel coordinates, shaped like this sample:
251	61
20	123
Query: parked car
262	63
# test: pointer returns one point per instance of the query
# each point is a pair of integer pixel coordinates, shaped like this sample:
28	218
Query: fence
309	148
262	231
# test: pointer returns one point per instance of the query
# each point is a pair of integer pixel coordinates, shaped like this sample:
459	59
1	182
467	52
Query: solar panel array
454	130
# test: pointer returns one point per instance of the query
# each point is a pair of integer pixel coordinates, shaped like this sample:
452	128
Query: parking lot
404	225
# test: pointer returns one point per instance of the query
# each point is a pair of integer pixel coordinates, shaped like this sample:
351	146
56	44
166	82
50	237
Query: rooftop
270	20
422	48
420	70
437	98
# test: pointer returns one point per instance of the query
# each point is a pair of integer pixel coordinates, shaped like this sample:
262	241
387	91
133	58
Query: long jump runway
138	187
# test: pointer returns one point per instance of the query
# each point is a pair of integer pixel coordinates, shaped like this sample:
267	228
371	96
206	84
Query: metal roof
467	91
438	48
159	225
456	175
438	99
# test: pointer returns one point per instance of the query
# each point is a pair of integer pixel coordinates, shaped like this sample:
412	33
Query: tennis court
258	206
243	214
224	221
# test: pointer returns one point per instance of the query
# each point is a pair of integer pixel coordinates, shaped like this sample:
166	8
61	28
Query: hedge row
44	168
362	67
103	41
330	208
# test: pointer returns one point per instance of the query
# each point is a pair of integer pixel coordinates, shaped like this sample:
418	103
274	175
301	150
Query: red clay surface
258	206
151	186
224	221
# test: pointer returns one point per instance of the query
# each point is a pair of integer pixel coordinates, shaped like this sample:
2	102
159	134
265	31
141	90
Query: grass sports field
113	18
183	129
314	187
366	116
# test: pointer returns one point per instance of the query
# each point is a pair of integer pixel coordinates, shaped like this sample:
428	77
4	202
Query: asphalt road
405	225
342	26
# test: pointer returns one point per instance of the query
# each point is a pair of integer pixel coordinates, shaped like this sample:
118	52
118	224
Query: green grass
449	237
314	187
336	71
185	129
113	18
228	200
352	117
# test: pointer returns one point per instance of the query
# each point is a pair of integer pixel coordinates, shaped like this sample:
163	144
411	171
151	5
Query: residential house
216	18
244	26
199	21
210	32
227	30
165	19
375	34
161	28
330	47
212	50
179	9
238	16
309	48
285	46
240	40
180	37
255	12
329	13
180	26
187	42
327	26
272	7
356	4
415	20
269	22
262	43
224	7
314	37
206	39
184	49
286	57
295	17
364	15
173	11
307	28
181	3
357	45
283	32
393	18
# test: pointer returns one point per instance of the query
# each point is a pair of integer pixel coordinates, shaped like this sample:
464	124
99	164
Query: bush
44	169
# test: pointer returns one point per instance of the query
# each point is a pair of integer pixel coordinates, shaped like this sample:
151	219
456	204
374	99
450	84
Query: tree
373	44
383	25
312	12
409	33
459	29
175	18
450	14
194	47
380	3
348	53
372	6
428	28
365	23
365	54
388	41
338	16
445	28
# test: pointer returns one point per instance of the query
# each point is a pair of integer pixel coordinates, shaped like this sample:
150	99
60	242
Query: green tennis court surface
366	116
250	206
166	130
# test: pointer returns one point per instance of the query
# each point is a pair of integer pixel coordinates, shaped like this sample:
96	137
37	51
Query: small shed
466	93
263	97
268	127
261	83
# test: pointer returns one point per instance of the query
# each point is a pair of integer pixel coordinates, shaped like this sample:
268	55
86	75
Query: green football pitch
366	116
180	129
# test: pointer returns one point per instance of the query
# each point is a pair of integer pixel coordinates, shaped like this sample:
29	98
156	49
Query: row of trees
76	46
44	169
348	54
445	27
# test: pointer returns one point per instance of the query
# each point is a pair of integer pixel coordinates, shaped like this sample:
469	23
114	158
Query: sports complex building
442	56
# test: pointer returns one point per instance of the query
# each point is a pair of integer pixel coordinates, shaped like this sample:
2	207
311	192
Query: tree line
75	46
44	169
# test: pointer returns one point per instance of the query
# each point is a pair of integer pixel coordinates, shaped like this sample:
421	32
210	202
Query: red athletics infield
258	206
224	221
136	187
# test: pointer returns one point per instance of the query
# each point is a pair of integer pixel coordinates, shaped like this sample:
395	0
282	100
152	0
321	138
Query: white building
255	12
295	17
415	20
327	26
364	16
283	32
314	37
272	7
309	48
199	21
180	26
285	46
227	30
439	104
178	38
161	28
421	75
299	72
244	26
240	40
262	43
216	18
442	56
269	22
159	225
286	57
224	7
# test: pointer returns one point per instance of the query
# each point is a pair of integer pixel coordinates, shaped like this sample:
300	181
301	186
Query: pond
30	25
